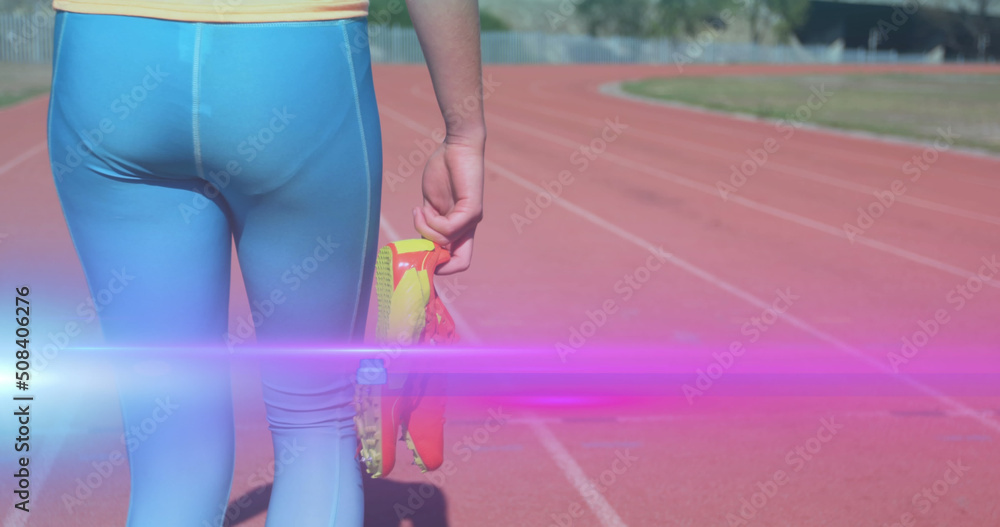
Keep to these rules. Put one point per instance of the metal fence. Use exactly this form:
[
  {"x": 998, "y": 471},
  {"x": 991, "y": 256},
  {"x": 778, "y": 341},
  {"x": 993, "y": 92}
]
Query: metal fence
[
  {"x": 27, "y": 38},
  {"x": 400, "y": 46}
]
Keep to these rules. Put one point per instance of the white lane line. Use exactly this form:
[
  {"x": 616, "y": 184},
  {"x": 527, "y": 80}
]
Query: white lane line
[
  {"x": 751, "y": 299},
  {"x": 571, "y": 469},
  {"x": 465, "y": 331},
  {"x": 389, "y": 231},
  {"x": 750, "y": 204},
  {"x": 22, "y": 158},
  {"x": 774, "y": 165},
  {"x": 958, "y": 407},
  {"x": 865, "y": 189},
  {"x": 782, "y": 214},
  {"x": 610, "y": 90},
  {"x": 614, "y": 90}
]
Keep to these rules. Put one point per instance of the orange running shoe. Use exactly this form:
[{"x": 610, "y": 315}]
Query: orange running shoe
[
  {"x": 423, "y": 420},
  {"x": 410, "y": 313}
]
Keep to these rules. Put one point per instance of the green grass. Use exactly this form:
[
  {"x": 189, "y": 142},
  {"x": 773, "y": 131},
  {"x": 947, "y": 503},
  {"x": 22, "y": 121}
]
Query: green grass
[
  {"x": 23, "y": 81},
  {"x": 904, "y": 105},
  {"x": 7, "y": 99}
]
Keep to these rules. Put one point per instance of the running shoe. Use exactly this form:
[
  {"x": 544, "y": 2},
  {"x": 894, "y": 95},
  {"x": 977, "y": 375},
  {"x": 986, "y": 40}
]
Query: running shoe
[
  {"x": 423, "y": 420},
  {"x": 378, "y": 418},
  {"x": 409, "y": 313}
]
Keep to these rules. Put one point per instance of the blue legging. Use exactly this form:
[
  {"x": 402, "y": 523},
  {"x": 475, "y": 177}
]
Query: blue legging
[{"x": 168, "y": 140}]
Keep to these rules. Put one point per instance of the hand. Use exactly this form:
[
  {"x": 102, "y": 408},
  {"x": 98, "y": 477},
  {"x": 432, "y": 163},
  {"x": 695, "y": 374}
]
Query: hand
[{"x": 453, "y": 200}]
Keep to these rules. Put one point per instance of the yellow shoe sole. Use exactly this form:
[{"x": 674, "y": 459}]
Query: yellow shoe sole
[{"x": 367, "y": 417}]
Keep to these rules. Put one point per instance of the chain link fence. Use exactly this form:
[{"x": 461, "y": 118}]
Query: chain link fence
[{"x": 27, "y": 38}]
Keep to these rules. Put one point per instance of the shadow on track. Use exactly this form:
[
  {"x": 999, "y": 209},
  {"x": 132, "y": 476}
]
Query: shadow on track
[{"x": 387, "y": 504}]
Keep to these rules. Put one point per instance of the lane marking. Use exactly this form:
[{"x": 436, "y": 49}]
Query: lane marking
[
  {"x": 780, "y": 213},
  {"x": 959, "y": 408},
  {"x": 390, "y": 232},
  {"x": 661, "y": 418},
  {"x": 574, "y": 474},
  {"x": 774, "y": 165},
  {"x": 612, "y": 444},
  {"x": 22, "y": 158},
  {"x": 614, "y": 90},
  {"x": 871, "y": 160},
  {"x": 754, "y": 205}
]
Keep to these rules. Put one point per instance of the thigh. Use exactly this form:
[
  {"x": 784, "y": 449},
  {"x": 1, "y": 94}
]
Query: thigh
[
  {"x": 159, "y": 282},
  {"x": 154, "y": 277},
  {"x": 290, "y": 133}
]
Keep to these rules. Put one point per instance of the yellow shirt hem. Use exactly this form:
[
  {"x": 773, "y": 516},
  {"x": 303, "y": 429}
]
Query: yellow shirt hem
[{"x": 220, "y": 11}]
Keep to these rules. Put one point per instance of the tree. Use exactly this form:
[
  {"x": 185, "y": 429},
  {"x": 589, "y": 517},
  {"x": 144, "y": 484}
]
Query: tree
[
  {"x": 781, "y": 16},
  {"x": 791, "y": 14},
  {"x": 976, "y": 18},
  {"x": 491, "y": 22},
  {"x": 648, "y": 18},
  {"x": 389, "y": 13},
  {"x": 394, "y": 13},
  {"x": 688, "y": 17},
  {"x": 630, "y": 18}
]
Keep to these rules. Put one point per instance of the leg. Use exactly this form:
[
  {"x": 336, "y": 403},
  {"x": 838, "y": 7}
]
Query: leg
[
  {"x": 169, "y": 272},
  {"x": 294, "y": 133},
  {"x": 174, "y": 291}
]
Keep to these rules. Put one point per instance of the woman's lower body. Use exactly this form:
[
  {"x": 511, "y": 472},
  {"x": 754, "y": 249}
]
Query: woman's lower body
[{"x": 167, "y": 141}]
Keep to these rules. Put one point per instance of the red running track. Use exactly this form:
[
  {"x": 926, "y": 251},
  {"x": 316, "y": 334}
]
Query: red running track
[{"x": 770, "y": 441}]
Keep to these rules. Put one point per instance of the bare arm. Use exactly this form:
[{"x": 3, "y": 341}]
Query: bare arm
[{"x": 453, "y": 178}]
